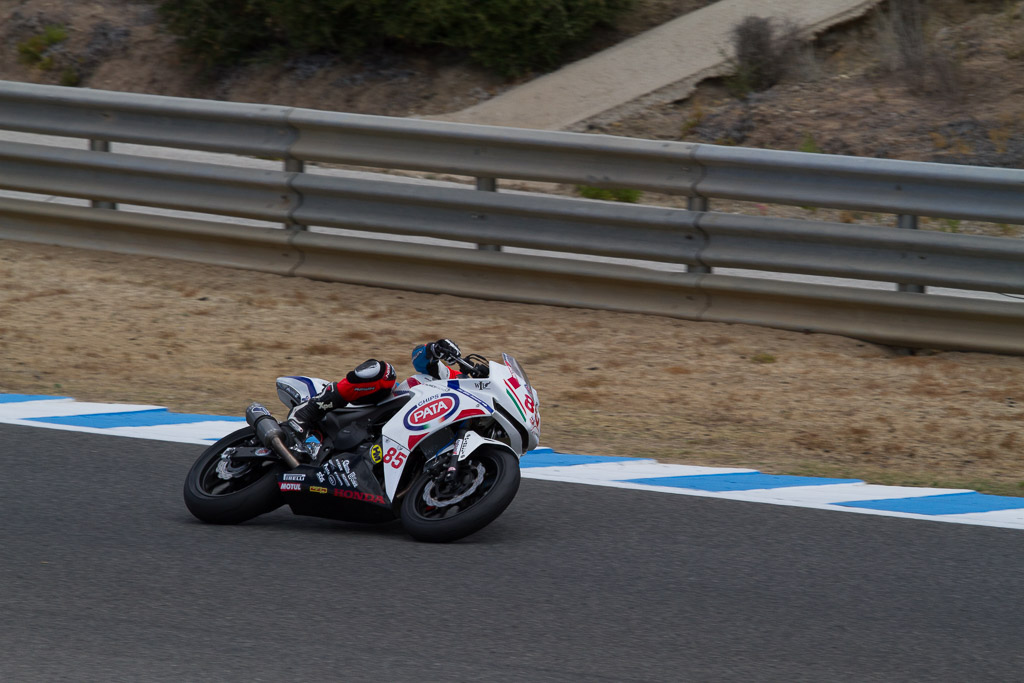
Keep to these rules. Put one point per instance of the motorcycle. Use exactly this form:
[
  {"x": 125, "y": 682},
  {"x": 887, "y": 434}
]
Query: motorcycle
[{"x": 440, "y": 455}]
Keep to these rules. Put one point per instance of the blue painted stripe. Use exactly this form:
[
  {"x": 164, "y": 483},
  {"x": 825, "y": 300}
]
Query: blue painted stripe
[
  {"x": 138, "y": 418},
  {"x": 741, "y": 481},
  {"x": 21, "y": 398},
  {"x": 942, "y": 504},
  {"x": 549, "y": 458},
  {"x": 307, "y": 381}
]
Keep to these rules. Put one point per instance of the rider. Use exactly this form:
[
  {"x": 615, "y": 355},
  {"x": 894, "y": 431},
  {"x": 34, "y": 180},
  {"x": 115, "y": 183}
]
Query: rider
[{"x": 371, "y": 382}]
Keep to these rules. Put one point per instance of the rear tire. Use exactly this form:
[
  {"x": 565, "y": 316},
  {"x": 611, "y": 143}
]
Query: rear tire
[
  {"x": 491, "y": 480},
  {"x": 218, "y": 501}
]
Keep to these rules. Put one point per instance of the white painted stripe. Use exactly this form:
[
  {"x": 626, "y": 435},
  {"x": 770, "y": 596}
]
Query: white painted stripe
[
  {"x": 1008, "y": 518},
  {"x": 203, "y": 433},
  {"x": 611, "y": 471},
  {"x": 10, "y": 412},
  {"x": 840, "y": 493},
  {"x": 193, "y": 432}
]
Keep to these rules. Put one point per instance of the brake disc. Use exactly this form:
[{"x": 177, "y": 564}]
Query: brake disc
[
  {"x": 429, "y": 499},
  {"x": 226, "y": 471}
]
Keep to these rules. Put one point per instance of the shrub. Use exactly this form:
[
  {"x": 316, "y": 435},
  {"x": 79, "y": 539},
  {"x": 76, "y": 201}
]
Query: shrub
[
  {"x": 337, "y": 26},
  {"x": 218, "y": 32},
  {"x": 507, "y": 36},
  {"x": 33, "y": 50},
  {"x": 70, "y": 78},
  {"x": 925, "y": 66},
  {"x": 907, "y": 19},
  {"x": 626, "y": 195},
  {"x": 809, "y": 145},
  {"x": 762, "y": 50}
]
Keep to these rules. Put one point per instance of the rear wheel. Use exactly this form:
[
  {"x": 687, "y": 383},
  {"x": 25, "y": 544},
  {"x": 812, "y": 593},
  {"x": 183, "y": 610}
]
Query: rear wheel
[
  {"x": 221, "y": 492},
  {"x": 439, "y": 512}
]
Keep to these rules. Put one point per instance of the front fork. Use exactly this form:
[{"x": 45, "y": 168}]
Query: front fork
[
  {"x": 452, "y": 472},
  {"x": 448, "y": 465}
]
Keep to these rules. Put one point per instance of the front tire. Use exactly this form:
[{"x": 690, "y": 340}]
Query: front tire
[
  {"x": 251, "y": 493},
  {"x": 489, "y": 481}
]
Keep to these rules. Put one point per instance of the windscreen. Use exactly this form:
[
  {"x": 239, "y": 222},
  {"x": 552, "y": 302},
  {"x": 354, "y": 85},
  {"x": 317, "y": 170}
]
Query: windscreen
[{"x": 516, "y": 368}]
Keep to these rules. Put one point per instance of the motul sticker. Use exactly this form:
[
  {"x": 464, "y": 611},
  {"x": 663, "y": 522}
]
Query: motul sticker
[
  {"x": 437, "y": 409},
  {"x": 290, "y": 487}
]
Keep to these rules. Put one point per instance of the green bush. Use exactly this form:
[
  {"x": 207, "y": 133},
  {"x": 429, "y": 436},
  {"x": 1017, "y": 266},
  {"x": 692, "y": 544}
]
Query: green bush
[
  {"x": 33, "y": 51},
  {"x": 508, "y": 36},
  {"x": 335, "y": 26},
  {"x": 618, "y": 194},
  {"x": 218, "y": 32}
]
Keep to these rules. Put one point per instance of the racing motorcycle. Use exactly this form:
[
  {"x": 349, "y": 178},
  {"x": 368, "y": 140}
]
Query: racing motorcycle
[{"x": 441, "y": 455}]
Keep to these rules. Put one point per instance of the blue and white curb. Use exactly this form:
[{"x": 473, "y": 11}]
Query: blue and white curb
[
  {"x": 142, "y": 421},
  {"x": 960, "y": 506}
]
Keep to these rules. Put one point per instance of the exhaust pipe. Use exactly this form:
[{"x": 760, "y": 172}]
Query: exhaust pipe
[{"x": 269, "y": 432}]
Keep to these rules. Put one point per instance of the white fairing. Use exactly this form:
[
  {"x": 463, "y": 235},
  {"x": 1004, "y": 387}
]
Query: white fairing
[
  {"x": 470, "y": 442},
  {"x": 297, "y": 389},
  {"x": 506, "y": 396}
]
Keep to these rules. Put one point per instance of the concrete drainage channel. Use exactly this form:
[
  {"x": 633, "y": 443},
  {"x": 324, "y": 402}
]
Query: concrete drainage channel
[{"x": 959, "y": 506}]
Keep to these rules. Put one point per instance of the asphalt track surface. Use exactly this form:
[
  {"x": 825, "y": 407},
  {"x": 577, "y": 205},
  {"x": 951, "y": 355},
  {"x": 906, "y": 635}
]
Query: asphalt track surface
[{"x": 104, "y": 575}]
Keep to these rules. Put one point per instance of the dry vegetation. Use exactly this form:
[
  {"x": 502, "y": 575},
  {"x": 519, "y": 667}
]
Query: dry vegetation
[{"x": 944, "y": 84}]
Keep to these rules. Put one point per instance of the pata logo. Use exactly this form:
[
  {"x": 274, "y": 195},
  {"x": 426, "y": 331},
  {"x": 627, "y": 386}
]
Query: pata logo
[
  {"x": 431, "y": 410},
  {"x": 440, "y": 407}
]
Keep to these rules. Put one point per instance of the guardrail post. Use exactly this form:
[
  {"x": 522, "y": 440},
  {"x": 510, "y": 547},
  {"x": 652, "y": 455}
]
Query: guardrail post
[
  {"x": 695, "y": 203},
  {"x": 908, "y": 222},
  {"x": 485, "y": 184},
  {"x": 100, "y": 146},
  {"x": 294, "y": 166}
]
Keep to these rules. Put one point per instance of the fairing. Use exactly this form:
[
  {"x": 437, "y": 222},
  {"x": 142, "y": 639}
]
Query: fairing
[
  {"x": 341, "y": 488},
  {"x": 437, "y": 404},
  {"x": 296, "y": 389}
]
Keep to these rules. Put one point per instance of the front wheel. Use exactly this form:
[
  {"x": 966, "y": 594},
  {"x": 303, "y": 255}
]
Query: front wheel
[
  {"x": 440, "y": 512},
  {"x": 249, "y": 489}
]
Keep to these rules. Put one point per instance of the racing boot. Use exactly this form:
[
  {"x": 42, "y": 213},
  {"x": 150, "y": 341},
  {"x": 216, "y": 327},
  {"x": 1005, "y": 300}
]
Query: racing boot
[{"x": 304, "y": 416}]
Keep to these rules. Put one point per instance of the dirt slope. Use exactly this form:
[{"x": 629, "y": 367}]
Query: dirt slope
[{"x": 844, "y": 96}]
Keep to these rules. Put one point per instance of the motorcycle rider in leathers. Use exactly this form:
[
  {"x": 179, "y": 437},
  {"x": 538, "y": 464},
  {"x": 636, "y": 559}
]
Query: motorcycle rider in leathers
[{"x": 371, "y": 382}]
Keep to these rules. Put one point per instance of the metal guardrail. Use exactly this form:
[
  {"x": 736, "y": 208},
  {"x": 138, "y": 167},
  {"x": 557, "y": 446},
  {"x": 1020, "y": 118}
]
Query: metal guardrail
[
  {"x": 530, "y": 221},
  {"x": 700, "y": 239},
  {"x": 793, "y": 178}
]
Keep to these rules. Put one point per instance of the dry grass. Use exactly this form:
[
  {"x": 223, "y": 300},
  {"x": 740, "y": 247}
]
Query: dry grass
[
  {"x": 42, "y": 294},
  {"x": 323, "y": 349},
  {"x": 691, "y": 392}
]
